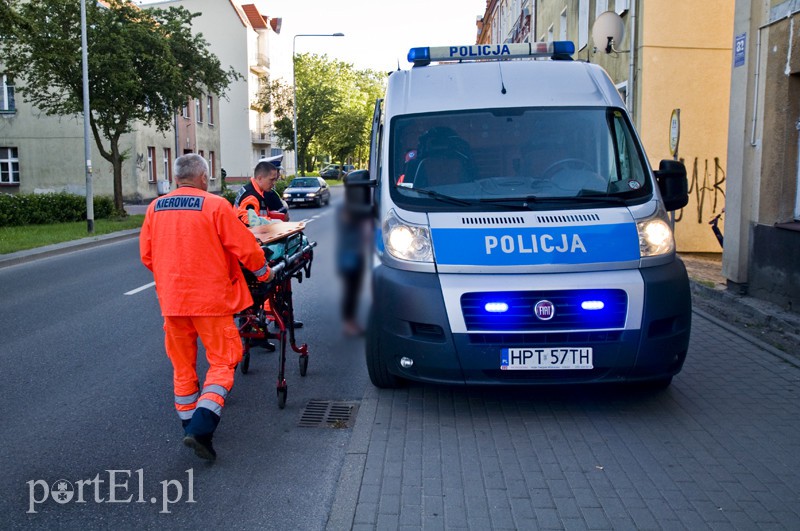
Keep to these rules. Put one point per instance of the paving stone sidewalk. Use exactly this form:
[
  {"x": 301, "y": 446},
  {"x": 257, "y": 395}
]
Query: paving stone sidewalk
[{"x": 719, "y": 449}]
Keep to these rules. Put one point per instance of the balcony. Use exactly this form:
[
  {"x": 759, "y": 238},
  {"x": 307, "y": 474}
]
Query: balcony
[
  {"x": 260, "y": 137},
  {"x": 259, "y": 64}
]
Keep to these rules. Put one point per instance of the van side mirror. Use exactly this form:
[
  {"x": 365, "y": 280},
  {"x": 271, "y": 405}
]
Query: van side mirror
[
  {"x": 358, "y": 191},
  {"x": 672, "y": 182}
]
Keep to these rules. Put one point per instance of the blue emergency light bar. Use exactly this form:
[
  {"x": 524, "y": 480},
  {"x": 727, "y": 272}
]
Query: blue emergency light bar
[{"x": 556, "y": 49}]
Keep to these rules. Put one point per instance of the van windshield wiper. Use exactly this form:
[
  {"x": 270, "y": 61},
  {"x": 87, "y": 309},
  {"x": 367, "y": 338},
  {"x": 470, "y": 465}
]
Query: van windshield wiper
[
  {"x": 547, "y": 199},
  {"x": 442, "y": 197}
]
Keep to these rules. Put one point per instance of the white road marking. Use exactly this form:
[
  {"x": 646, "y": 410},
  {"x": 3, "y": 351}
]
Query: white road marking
[{"x": 140, "y": 288}]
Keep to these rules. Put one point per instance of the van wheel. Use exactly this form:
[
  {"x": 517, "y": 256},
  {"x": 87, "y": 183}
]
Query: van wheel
[{"x": 379, "y": 375}]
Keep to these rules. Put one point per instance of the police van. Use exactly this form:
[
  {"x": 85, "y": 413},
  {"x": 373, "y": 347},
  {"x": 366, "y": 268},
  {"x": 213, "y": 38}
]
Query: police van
[{"x": 521, "y": 234}]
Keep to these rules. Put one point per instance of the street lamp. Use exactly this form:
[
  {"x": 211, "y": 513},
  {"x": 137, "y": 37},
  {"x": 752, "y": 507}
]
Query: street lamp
[
  {"x": 294, "y": 85},
  {"x": 87, "y": 116}
]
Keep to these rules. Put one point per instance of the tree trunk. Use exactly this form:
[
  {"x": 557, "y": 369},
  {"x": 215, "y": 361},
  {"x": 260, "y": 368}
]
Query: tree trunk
[
  {"x": 116, "y": 163},
  {"x": 115, "y": 158}
]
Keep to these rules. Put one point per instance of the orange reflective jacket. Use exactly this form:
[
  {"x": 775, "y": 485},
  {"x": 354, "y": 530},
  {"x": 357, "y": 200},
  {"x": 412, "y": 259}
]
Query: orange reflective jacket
[
  {"x": 193, "y": 242},
  {"x": 266, "y": 204}
]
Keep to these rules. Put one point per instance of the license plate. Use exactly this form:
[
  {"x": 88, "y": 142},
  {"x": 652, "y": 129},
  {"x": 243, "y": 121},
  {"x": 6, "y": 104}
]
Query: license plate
[
  {"x": 298, "y": 199},
  {"x": 550, "y": 358}
]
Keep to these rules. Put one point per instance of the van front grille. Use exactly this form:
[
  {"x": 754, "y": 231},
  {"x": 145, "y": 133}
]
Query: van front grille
[{"x": 568, "y": 308}]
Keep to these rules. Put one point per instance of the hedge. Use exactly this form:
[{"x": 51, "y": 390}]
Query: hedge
[{"x": 39, "y": 209}]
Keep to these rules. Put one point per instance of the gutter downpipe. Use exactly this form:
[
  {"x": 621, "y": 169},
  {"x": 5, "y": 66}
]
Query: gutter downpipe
[{"x": 632, "y": 63}]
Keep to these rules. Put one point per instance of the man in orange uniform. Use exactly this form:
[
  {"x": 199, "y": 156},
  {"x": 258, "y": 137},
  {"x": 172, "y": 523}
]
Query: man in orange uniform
[
  {"x": 260, "y": 195},
  {"x": 192, "y": 242}
]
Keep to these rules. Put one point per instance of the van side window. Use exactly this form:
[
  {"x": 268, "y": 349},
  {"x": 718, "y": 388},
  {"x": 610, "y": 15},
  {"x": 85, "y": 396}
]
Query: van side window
[{"x": 629, "y": 165}]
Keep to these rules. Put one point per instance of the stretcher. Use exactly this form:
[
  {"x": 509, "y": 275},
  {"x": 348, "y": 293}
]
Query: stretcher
[{"x": 290, "y": 255}]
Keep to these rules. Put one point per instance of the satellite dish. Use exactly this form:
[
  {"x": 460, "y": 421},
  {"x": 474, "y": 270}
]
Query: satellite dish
[
  {"x": 608, "y": 31},
  {"x": 276, "y": 24}
]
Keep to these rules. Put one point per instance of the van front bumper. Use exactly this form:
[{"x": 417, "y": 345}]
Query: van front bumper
[{"x": 409, "y": 320}]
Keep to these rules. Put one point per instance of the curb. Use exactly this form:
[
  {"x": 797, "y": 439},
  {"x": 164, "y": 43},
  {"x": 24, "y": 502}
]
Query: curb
[
  {"x": 747, "y": 337},
  {"x": 20, "y": 257}
]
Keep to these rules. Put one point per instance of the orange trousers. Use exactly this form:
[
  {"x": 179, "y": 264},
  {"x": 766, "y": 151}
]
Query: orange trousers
[{"x": 220, "y": 336}]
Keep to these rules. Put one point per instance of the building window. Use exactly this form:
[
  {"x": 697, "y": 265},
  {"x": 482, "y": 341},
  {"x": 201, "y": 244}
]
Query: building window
[
  {"x": 211, "y": 162},
  {"x": 185, "y": 110},
  {"x": 600, "y": 7},
  {"x": 550, "y": 34},
  {"x": 151, "y": 164},
  {"x": 9, "y": 165},
  {"x": 198, "y": 110},
  {"x": 7, "y": 95},
  {"x": 562, "y": 31},
  {"x": 583, "y": 23},
  {"x": 210, "y": 110},
  {"x": 168, "y": 164}
]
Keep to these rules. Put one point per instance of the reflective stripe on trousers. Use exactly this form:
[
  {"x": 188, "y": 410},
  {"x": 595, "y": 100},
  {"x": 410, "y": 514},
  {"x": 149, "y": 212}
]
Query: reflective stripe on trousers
[{"x": 220, "y": 336}]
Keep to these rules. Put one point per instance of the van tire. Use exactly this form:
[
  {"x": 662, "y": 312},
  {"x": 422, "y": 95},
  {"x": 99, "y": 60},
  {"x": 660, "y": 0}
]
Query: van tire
[{"x": 379, "y": 374}]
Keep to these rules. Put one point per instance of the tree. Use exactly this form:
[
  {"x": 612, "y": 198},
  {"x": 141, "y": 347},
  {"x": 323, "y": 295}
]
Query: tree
[
  {"x": 334, "y": 108},
  {"x": 348, "y": 131},
  {"x": 144, "y": 65},
  {"x": 275, "y": 96}
]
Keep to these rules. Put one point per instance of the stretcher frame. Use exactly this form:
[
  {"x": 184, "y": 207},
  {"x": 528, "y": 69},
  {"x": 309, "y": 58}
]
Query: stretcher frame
[{"x": 254, "y": 322}]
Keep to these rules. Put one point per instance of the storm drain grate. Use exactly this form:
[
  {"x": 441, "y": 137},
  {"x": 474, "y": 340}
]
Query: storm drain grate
[{"x": 328, "y": 414}]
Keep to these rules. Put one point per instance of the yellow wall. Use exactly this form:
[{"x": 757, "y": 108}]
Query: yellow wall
[{"x": 684, "y": 61}]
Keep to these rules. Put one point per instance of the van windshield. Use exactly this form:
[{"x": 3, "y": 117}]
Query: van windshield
[{"x": 504, "y": 156}]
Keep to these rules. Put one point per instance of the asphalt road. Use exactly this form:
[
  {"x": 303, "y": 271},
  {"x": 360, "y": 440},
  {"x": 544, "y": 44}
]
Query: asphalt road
[{"x": 86, "y": 390}]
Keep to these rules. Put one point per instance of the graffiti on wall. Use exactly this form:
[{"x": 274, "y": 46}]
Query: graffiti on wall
[{"x": 706, "y": 189}]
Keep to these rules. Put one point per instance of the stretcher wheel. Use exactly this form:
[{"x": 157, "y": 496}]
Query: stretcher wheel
[
  {"x": 303, "y": 365},
  {"x": 282, "y": 397},
  {"x": 245, "y": 366}
]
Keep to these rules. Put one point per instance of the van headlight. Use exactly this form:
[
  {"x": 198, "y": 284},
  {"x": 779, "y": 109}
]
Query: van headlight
[
  {"x": 406, "y": 241},
  {"x": 655, "y": 235}
]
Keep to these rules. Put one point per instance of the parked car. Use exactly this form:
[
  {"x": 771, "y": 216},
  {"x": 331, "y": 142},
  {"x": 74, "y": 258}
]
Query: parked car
[
  {"x": 334, "y": 171},
  {"x": 307, "y": 191}
]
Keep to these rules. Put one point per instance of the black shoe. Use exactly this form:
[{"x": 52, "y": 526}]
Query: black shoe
[{"x": 201, "y": 445}]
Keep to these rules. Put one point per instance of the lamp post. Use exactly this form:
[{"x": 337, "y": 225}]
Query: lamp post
[
  {"x": 294, "y": 85},
  {"x": 86, "y": 117}
]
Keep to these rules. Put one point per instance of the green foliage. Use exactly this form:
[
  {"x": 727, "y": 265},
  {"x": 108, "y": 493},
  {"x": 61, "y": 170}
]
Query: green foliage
[
  {"x": 230, "y": 195},
  {"x": 39, "y": 209},
  {"x": 13, "y": 239},
  {"x": 144, "y": 65},
  {"x": 334, "y": 109}
]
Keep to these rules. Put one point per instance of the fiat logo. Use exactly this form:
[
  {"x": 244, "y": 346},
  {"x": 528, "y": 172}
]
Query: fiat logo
[{"x": 544, "y": 310}]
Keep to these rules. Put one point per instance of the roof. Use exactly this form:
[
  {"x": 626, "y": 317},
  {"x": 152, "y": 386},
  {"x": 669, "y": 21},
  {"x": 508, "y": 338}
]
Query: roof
[
  {"x": 256, "y": 19},
  {"x": 498, "y": 84}
]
